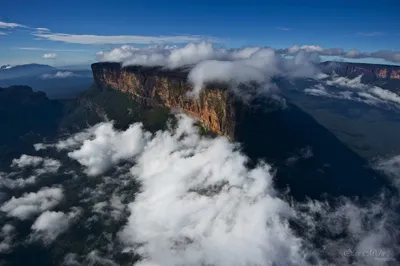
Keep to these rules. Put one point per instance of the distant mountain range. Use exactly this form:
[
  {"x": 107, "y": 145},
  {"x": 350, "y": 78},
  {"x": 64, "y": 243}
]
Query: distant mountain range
[
  {"x": 387, "y": 76},
  {"x": 6, "y": 67},
  {"x": 55, "y": 82},
  {"x": 370, "y": 72},
  {"x": 8, "y": 71}
]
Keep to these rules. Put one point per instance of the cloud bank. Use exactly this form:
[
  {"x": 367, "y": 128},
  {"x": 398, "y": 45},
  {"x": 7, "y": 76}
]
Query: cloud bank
[
  {"x": 211, "y": 64},
  {"x": 199, "y": 203},
  {"x": 177, "y": 198},
  {"x": 208, "y": 63},
  {"x": 209, "y": 194}
]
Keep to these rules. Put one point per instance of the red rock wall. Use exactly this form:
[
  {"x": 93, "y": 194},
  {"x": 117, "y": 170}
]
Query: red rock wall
[{"x": 214, "y": 108}]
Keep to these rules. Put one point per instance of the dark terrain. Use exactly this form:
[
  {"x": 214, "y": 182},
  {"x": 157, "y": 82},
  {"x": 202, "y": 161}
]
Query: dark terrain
[{"x": 319, "y": 148}]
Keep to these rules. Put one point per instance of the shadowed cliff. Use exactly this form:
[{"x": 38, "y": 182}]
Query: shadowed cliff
[{"x": 25, "y": 116}]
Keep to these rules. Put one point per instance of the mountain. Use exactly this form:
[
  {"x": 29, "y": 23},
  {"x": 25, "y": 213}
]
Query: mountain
[
  {"x": 5, "y": 67},
  {"x": 25, "y": 116},
  {"x": 266, "y": 129},
  {"x": 56, "y": 83},
  {"x": 387, "y": 76},
  {"x": 370, "y": 71},
  {"x": 288, "y": 137},
  {"x": 157, "y": 87},
  {"x": 363, "y": 113},
  {"x": 24, "y": 70}
]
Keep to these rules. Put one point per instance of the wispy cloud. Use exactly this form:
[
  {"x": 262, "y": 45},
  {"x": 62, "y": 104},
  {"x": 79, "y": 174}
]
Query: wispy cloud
[
  {"x": 50, "y": 56},
  {"x": 371, "y": 34},
  {"x": 8, "y": 25},
  {"x": 59, "y": 75},
  {"x": 392, "y": 56},
  {"x": 3, "y": 33},
  {"x": 42, "y": 29},
  {"x": 283, "y": 28},
  {"x": 121, "y": 39},
  {"x": 49, "y": 49}
]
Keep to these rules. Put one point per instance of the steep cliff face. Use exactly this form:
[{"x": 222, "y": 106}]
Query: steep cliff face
[
  {"x": 369, "y": 71},
  {"x": 215, "y": 107}
]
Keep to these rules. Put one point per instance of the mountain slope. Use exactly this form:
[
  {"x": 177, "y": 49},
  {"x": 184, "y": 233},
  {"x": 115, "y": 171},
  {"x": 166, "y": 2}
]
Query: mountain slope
[{"x": 25, "y": 116}]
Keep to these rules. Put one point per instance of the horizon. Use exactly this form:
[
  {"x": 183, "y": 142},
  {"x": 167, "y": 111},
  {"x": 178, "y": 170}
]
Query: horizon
[
  {"x": 84, "y": 66},
  {"x": 350, "y": 32}
]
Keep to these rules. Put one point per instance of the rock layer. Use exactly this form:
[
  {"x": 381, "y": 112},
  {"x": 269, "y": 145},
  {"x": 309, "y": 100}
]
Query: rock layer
[
  {"x": 215, "y": 107},
  {"x": 369, "y": 71}
]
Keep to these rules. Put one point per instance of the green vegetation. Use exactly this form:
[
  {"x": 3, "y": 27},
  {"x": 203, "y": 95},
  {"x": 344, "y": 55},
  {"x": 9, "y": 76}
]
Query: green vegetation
[
  {"x": 95, "y": 105},
  {"x": 204, "y": 131}
]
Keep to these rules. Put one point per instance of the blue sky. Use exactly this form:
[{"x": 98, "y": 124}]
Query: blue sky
[{"x": 367, "y": 26}]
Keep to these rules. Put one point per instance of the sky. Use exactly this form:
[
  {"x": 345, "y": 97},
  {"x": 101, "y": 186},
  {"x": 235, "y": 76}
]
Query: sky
[{"x": 72, "y": 32}]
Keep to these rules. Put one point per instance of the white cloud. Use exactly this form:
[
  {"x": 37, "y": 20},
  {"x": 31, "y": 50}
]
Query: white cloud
[
  {"x": 47, "y": 165},
  {"x": 371, "y": 34},
  {"x": 49, "y": 49},
  {"x": 353, "y": 53},
  {"x": 121, "y": 39},
  {"x": 6, "y": 236},
  {"x": 354, "y": 83},
  {"x": 50, "y": 56},
  {"x": 385, "y": 95},
  {"x": 9, "y": 25},
  {"x": 210, "y": 64},
  {"x": 59, "y": 75},
  {"x": 368, "y": 227},
  {"x": 71, "y": 142},
  {"x": 312, "y": 48},
  {"x": 112, "y": 208},
  {"x": 13, "y": 182},
  {"x": 71, "y": 259},
  {"x": 32, "y": 203},
  {"x": 26, "y": 161},
  {"x": 391, "y": 167},
  {"x": 387, "y": 55},
  {"x": 42, "y": 29},
  {"x": 306, "y": 48},
  {"x": 199, "y": 204},
  {"x": 260, "y": 67},
  {"x": 108, "y": 147},
  {"x": 169, "y": 56},
  {"x": 50, "y": 224},
  {"x": 17, "y": 178},
  {"x": 94, "y": 258},
  {"x": 3, "y": 33},
  {"x": 294, "y": 49},
  {"x": 355, "y": 90}
]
